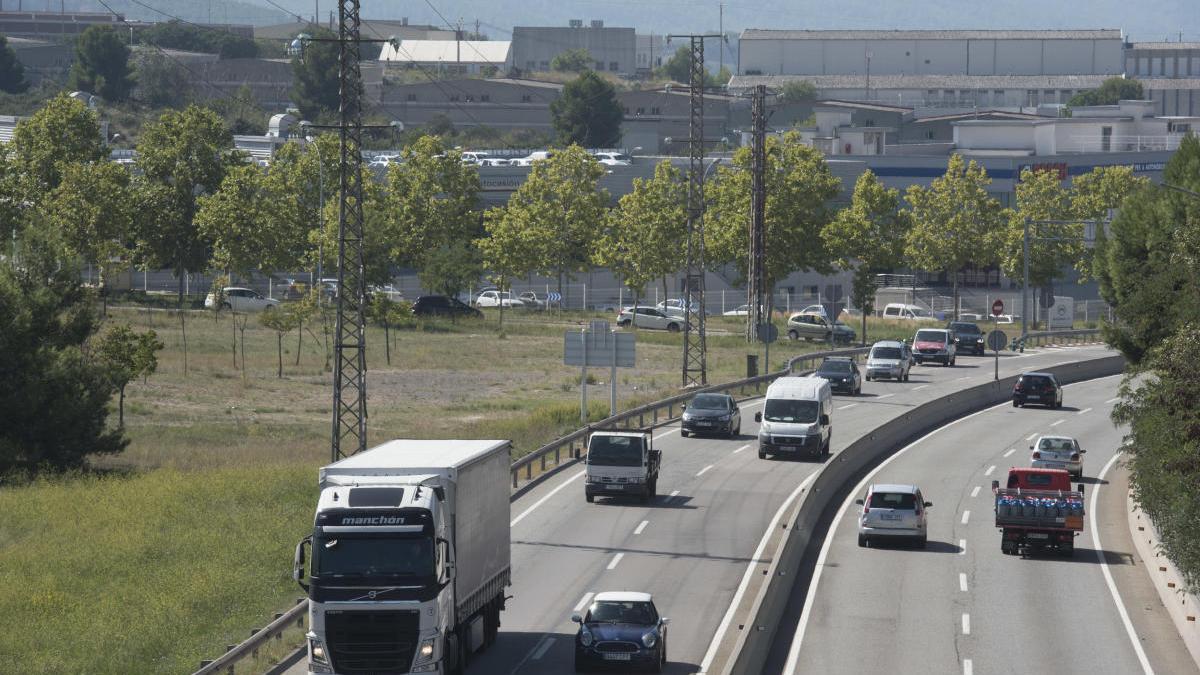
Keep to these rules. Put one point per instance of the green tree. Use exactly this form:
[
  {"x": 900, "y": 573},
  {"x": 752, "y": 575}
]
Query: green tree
[
  {"x": 430, "y": 203},
  {"x": 127, "y": 355},
  {"x": 572, "y": 61},
  {"x": 102, "y": 64},
  {"x": 799, "y": 187},
  {"x": 377, "y": 259},
  {"x": 451, "y": 267},
  {"x": 12, "y": 72},
  {"x": 162, "y": 83},
  {"x": 955, "y": 222},
  {"x": 1093, "y": 196},
  {"x": 798, "y": 91},
  {"x": 1041, "y": 196},
  {"x": 678, "y": 67},
  {"x": 175, "y": 34},
  {"x": 238, "y": 220},
  {"x": 63, "y": 131},
  {"x": 93, "y": 211},
  {"x": 645, "y": 237},
  {"x": 183, "y": 154},
  {"x": 587, "y": 113},
  {"x": 300, "y": 179},
  {"x": 55, "y": 399},
  {"x": 1111, "y": 91},
  {"x": 551, "y": 221},
  {"x": 869, "y": 237},
  {"x": 315, "y": 75}
]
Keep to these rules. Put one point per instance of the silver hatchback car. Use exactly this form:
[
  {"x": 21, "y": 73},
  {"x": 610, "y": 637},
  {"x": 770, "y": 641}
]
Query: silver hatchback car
[
  {"x": 892, "y": 512},
  {"x": 889, "y": 360},
  {"x": 1057, "y": 452}
]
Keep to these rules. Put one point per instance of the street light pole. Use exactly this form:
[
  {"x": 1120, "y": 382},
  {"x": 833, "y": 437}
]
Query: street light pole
[
  {"x": 1025, "y": 284},
  {"x": 320, "y": 211}
]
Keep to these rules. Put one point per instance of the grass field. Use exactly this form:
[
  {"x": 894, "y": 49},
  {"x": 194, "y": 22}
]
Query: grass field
[{"x": 182, "y": 544}]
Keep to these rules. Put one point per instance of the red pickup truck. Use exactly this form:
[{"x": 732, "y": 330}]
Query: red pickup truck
[{"x": 1037, "y": 511}]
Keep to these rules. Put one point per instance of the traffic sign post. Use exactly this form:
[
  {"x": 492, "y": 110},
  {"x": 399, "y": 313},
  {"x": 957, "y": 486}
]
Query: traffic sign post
[
  {"x": 996, "y": 340},
  {"x": 598, "y": 346}
]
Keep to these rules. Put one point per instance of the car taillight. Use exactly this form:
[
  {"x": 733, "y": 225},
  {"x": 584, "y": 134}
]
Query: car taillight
[{"x": 1037, "y": 455}]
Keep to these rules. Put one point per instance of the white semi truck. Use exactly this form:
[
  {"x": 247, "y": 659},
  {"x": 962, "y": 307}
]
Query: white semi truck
[{"x": 409, "y": 557}]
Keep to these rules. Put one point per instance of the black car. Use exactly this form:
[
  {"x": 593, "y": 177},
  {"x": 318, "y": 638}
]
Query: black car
[
  {"x": 711, "y": 414},
  {"x": 968, "y": 337},
  {"x": 1040, "y": 388},
  {"x": 622, "y": 631},
  {"x": 842, "y": 373},
  {"x": 441, "y": 305}
]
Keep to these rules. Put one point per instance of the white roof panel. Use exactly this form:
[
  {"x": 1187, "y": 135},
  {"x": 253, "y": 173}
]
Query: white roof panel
[
  {"x": 494, "y": 52},
  {"x": 407, "y": 454}
]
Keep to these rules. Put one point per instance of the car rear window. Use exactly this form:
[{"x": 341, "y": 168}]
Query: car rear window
[
  {"x": 893, "y": 500},
  {"x": 1035, "y": 380},
  {"x": 886, "y": 353}
]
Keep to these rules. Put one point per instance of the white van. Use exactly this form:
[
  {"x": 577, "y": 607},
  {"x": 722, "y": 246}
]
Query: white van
[
  {"x": 898, "y": 310},
  {"x": 795, "y": 417}
]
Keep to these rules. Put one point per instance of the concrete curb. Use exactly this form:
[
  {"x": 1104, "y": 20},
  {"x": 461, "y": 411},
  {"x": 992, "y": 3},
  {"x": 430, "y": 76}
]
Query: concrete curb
[{"x": 1183, "y": 607}]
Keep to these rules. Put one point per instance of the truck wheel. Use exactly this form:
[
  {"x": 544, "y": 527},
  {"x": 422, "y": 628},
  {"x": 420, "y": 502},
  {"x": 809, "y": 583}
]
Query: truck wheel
[
  {"x": 589, "y": 498},
  {"x": 654, "y": 488},
  {"x": 1016, "y": 404},
  {"x": 491, "y": 624},
  {"x": 862, "y": 541},
  {"x": 923, "y": 542},
  {"x": 762, "y": 454},
  {"x": 1067, "y": 550},
  {"x": 454, "y": 655},
  {"x": 645, "y": 498}
]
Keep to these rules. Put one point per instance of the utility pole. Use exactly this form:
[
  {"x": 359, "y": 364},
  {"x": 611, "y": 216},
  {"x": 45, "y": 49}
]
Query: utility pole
[
  {"x": 758, "y": 200},
  {"x": 695, "y": 363},
  {"x": 721, "y": 30}
]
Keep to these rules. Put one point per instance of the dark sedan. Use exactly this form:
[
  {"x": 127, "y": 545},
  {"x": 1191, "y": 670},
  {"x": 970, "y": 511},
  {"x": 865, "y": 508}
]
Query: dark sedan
[
  {"x": 1040, "y": 388},
  {"x": 621, "y": 631},
  {"x": 968, "y": 337},
  {"x": 441, "y": 305},
  {"x": 711, "y": 414},
  {"x": 842, "y": 373}
]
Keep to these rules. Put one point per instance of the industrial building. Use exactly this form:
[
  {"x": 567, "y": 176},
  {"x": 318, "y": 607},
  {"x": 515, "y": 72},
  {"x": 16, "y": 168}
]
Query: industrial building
[
  {"x": 452, "y": 57},
  {"x": 613, "y": 49}
]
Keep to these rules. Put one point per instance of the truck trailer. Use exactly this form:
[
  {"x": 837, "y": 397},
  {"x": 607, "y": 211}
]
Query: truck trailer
[
  {"x": 409, "y": 557},
  {"x": 1037, "y": 512}
]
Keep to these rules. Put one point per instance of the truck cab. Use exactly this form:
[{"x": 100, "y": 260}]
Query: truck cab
[{"x": 622, "y": 463}]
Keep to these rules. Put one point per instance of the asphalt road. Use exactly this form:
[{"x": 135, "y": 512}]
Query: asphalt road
[
  {"x": 961, "y": 606},
  {"x": 691, "y": 547}
]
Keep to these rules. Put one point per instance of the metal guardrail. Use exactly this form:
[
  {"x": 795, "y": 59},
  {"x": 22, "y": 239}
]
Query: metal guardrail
[
  {"x": 1081, "y": 336},
  {"x": 259, "y": 637}
]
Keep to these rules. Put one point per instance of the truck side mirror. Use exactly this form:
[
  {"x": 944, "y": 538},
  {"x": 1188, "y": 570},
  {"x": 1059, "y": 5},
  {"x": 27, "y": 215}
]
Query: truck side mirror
[
  {"x": 576, "y": 618},
  {"x": 298, "y": 562},
  {"x": 858, "y": 501},
  {"x": 995, "y": 485},
  {"x": 664, "y": 621},
  {"x": 928, "y": 504},
  {"x": 825, "y": 420},
  {"x": 1031, "y": 447},
  {"x": 758, "y": 417},
  {"x": 1080, "y": 488}
]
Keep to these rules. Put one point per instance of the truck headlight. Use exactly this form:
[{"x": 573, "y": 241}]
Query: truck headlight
[
  {"x": 426, "y": 650},
  {"x": 649, "y": 639},
  {"x": 316, "y": 649}
]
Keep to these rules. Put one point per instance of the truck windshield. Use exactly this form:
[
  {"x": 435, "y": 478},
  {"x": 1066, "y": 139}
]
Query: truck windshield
[
  {"x": 790, "y": 410},
  {"x": 615, "y": 451},
  {"x": 371, "y": 555}
]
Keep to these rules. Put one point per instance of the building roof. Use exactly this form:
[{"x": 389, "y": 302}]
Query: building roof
[
  {"x": 1166, "y": 46},
  {"x": 492, "y": 52},
  {"x": 862, "y": 105},
  {"x": 982, "y": 114},
  {"x": 927, "y": 81},
  {"x": 771, "y": 34}
]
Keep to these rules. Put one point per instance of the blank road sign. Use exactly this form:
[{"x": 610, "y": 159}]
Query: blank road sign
[{"x": 602, "y": 346}]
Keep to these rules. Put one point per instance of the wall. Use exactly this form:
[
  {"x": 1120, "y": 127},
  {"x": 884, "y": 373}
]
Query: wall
[{"x": 534, "y": 48}]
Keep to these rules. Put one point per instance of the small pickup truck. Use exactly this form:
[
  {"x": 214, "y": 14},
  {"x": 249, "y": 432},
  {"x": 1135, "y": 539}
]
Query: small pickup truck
[
  {"x": 622, "y": 463},
  {"x": 1037, "y": 512}
]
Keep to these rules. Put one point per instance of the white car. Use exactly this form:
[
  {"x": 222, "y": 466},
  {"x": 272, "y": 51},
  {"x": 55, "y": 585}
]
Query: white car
[
  {"x": 893, "y": 512},
  {"x": 497, "y": 299},
  {"x": 1057, "y": 452},
  {"x": 742, "y": 310},
  {"x": 613, "y": 159},
  {"x": 532, "y": 157},
  {"x": 388, "y": 291},
  {"x": 482, "y": 159},
  {"x": 649, "y": 317},
  {"x": 241, "y": 300}
]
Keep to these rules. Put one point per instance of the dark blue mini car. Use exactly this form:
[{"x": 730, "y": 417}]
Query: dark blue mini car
[{"x": 621, "y": 631}]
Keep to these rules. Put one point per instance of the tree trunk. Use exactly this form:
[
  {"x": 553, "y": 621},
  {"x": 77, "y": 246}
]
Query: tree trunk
[
  {"x": 179, "y": 272},
  {"x": 299, "y": 340},
  {"x": 279, "y": 351},
  {"x": 183, "y": 331},
  {"x": 387, "y": 342},
  {"x": 103, "y": 293},
  {"x": 633, "y": 317},
  {"x": 500, "y": 302},
  {"x": 233, "y": 322},
  {"x": 666, "y": 291},
  {"x": 242, "y": 331},
  {"x": 954, "y": 285},
  {"x": 121, "y": 409}
]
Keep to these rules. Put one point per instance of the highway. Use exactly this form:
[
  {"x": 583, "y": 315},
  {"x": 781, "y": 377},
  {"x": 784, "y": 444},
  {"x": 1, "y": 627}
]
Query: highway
[
  {"x": 693, "y": 547},
  {"x": 961, "y": 606}
]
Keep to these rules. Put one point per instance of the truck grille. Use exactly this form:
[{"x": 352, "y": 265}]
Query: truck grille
[
  {"x": 789, "y": 440},
  {"x": 628, "y": 647},
  {"x": 372, "y": 641}
]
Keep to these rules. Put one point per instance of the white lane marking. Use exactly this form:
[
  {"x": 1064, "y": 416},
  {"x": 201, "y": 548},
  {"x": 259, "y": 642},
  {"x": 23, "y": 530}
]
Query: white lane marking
[
  {"x": 847, "y": 406},
  {"x": 1057, "y": 422},
  {"x": 1084, "y": 411},
  {"x": 641, "y": 527},
  {"x": 966, "y": 517},
  {"x": 583, "y": 602},
  {"x": 543, "y": 500},
  {"x": 920, "y": 387},
  {"x": 962, "y": 546},
  {"x": 989, "y": 472},
  {"x": 674, "y": 494},
  {"x": 744, "y": 447},
  {"x": 1010, "y": 451},
  {"x": 887, "y": 396},
  {"x": 1112, "y": 587},
  {"x": 1113, "y": 400},
  {"x": 541, "y": 651},
  {"x": 701, "y": 471},
  {"x": 1030, "y": 437},
  {"x": 968, "y": 667},
  {"x": 665, "y": 434},
  {"x": 962, "y": 582},
  {"x": 966, "y": 621},
  {"x": 964, "y": 377},
  {"x": 741, "y": 590},
  {"x": 975, "y": 492},
  {"x": 615, "y": 561}
]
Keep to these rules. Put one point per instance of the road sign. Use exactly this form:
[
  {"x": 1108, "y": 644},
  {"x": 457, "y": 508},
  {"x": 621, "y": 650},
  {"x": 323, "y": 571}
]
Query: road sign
[
  {"x": 997, "y": 307},
  {"x": 997, "y": 340},
  {"x": 602, "y": 346},
  {"x": 553, "y": 298},
  {"x": 767, "y": 332}
]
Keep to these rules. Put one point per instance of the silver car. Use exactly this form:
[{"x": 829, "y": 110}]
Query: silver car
[
  {"x": 893, "y": 512},
  {"x": 649, "y": 317},
  {"x": 1057, "y": 452},
  {"x": 888, "y": 360}
]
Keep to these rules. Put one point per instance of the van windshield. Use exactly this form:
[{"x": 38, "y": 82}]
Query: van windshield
[
  {"x": 930, "y": 336},
  {"x": 790, "y": 410},
  {"x": 615, "y": 451},
  {"x": 886, "y": 353}
]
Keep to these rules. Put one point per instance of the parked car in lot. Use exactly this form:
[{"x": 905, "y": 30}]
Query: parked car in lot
[
  {"x": 535, "y": 300},
  {"x": 1040, "y": 388},
  {"x": 441, "y": 305},
  {"x": 497, "y": 299},
  {"x": 241, "y": 300},
  {"x": 1057, "y": 452},
  {"x": 649, "y": 317},
  {"x": 967, "y": 337},
  {"x": 711, "y": 414},
  {"x": 740, "y": 310},
  {"x": 387, "y": 291},
  {"x": 531, "y": 158},
  {"x": 328, "y": 287},
  {"x": 482, "y": 159},
  {"x": 674, "y": 307},
  {"x": 898, "y": 310},
  {"x": 622, "y": 630},
  {"x": 613, "y": 158},
  {"x": 934, "y": 344},
  {"x": 842, "y": 374},
  {"x": 817, "y": 327},
  {"x": 893, "y": 512},
  {"x": 889, "y": 360}
]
